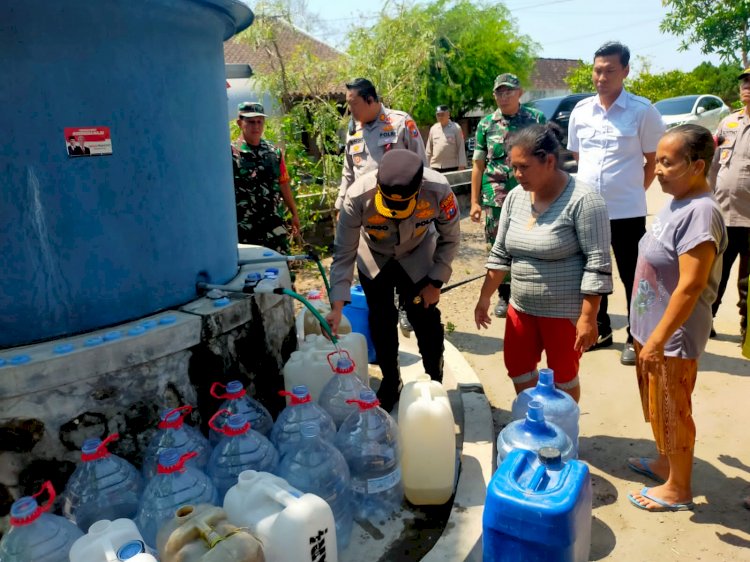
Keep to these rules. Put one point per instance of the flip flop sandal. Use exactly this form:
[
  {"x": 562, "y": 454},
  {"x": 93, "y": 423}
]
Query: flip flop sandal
[
  {"x": 664, "y": 506},
  {"x": 644, "y": 470}
]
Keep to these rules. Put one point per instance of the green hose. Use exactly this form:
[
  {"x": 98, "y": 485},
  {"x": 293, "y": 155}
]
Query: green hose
[
  {"x": 325, "y": 278},
  {"x": 323, "y": 324}
]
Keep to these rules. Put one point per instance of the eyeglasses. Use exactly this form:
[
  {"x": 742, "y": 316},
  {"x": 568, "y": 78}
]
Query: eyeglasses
[{"x": 505, "y": 93}]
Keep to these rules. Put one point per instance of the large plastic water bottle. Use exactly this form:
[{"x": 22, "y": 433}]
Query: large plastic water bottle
[
  {"x": 286, "y": 434},
  {"x": 358, "y": 314},
  {"x": 174, "y": 433},
  {"x": 103, "y": 486},
  {"x": 36, "y": 535},
  {"x": 241, "y": 448},
  {"x": 317, "y": 467},
  {"x": 368, "y": 439},
  {"x": 532, "y": 434},
  {"x": 175, "y": 485},
  {"x": 293, "y": 527},
  {"x": 343, "y": 386},
  {"x": 109, "y": 541},
  {"x": 559, "y": 406},
  {"x": 238, "y": 402}
]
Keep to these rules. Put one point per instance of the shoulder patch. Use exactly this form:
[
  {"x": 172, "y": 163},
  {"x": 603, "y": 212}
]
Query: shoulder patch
[
  {"x": 412, "y": 126},
  {"x": 448, "y": 206}
]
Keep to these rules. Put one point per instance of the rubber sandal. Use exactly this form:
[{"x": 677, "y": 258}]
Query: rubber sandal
[{"x": 664, "y": 506}]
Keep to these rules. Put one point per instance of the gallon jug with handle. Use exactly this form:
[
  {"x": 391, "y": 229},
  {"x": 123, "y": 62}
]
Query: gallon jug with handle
[
  {"x": 306, "y": 322},
  {"x": 202, "y": 533},
  {"x": 37, "y": 535},
  {"x": 111, "y": 541},
  {"x": 343, "y": 386},
  {"x": 174, "y": 486},
  {"x": 286, "y": 433},
  {"x": 103, "y": 486},
  {"x": 237, "y": 401},
  {"x": 537, "y": 509},
  {"x": 532, "y": 434},
  {"x": 428, "y": 442},
  {"x": 241, "y": 448},
  {"x": 174, "y": 433},
  {"x": 358, "y": 314},
  {"x": 559, "y": 406},
  {"x": 293, "y": 526},
  {"x": 354, "y": 344}
]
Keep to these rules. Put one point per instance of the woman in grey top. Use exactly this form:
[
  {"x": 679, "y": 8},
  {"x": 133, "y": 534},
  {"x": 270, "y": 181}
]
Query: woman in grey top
[{"x": 554, "y": 237}]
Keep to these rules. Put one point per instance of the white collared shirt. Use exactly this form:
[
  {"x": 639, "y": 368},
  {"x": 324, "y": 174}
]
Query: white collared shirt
[{"x": 611, "y": 144}]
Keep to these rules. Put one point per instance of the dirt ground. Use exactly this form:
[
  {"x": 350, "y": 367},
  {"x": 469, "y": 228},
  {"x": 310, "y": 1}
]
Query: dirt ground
[{"x": 612, "y": 426}]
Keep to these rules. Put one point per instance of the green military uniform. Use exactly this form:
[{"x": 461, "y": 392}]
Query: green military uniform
[
  {"x": 257, "y": 178},
  {"x": 498, "y": 178}
]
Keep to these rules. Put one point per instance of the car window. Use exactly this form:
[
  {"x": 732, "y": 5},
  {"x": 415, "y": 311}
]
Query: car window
[
  {"x": 569, "y": 103},
  {"x": 710, "y": 103},
  {"x": 548, "y": 106},
  {"x": 676, "y": 106}
]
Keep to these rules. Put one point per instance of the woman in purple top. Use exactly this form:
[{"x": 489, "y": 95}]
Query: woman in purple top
[{"x": 678, "y": 272}]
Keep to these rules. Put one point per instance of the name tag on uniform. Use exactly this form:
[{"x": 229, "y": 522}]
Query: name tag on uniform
[
  {"x": 387, "y": 138},
  {"x": 357, "y": 148}
]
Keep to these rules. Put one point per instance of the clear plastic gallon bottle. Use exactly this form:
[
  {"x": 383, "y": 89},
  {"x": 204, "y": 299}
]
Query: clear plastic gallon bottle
[
  {"x": 241, "y": 448},
  {"x": 343, "y": 386},
  {"x": 237, "y": 401},
  {"x": 293, "y": 527},
  {"x": 559, "y": 406},
  {"x": 317, "y": 467},
  {"x": 36, "y": 535},
  {"x": 368, "y": 439},
  {"x": 532, "y": 434},
  {"x": 103, "y": 486},
  {"x": 174, "y": 433},
  {"x": 286, "y": 434},
  {"x": 175, "y": 485}
]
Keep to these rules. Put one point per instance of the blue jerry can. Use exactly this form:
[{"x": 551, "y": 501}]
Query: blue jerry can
[{"x": 538, "y": 509}]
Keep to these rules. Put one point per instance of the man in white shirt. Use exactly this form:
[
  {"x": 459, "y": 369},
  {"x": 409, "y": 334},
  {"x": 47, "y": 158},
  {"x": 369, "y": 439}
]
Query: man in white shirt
[{"x": 613, "y": 135}]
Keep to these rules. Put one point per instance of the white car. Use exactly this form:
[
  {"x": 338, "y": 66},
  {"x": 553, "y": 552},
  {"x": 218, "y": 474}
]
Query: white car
[{"x": 703, "y": 110}]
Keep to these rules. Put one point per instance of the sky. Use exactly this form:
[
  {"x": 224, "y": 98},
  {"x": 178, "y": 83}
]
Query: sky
[{"x": 571, "y": 29}]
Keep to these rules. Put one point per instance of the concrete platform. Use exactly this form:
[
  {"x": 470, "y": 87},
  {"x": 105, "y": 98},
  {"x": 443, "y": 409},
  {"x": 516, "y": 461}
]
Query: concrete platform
[{"x": 439, "y": 533}]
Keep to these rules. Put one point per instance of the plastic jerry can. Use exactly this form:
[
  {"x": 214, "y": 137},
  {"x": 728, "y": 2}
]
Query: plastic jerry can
[
  {"x": 306, "y": 323},
  {"x": 202, "y": 533},
  {"x": 354, "y": 344},
  {"x": 174, "y": 433},
  {"x": 293, "y": 526},
  {"x": 428, "y": 443},
  {"x": 533, "y": 433},
  {"x": 111, "y": 541},
  {"x": 36, "y": 535},
  {"x": 538, "y": 509},
  {"x": 359, "y": 317},
  {"x": 559, "y": 406}
]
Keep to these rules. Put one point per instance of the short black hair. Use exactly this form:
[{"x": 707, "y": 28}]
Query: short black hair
[
  {"x": 614, "y": 48},
  {"x": 540, "y": 140},
  {"x": 364, "y": 88},
  {"x": 697, "y": 142}
]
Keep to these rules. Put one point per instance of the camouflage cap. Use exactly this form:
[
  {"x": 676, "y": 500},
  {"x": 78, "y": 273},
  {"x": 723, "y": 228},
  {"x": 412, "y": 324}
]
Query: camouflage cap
[
  {"x": 507, "y": 79},
  {"x": 251, "y": 109}
]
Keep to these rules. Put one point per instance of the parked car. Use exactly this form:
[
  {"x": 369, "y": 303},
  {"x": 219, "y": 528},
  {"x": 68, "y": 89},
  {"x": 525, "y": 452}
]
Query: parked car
[
  {"x": 706, "y": 110},
  {"x": 557, "y": 109}
]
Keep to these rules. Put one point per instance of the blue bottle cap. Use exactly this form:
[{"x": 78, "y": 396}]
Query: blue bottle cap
[
  {"x": 268, "y": 253},
  {"x": 20, "y": 359},
  {"x": 367, "y": 396},
  {"x": 234, "y": 387},
  {"x": 148, "y": 324},
  {"x": 130, "y": 549},
  {"x": 271, "y": 275},
  {"x": 96, "y": 340},
  {"x": 136, "y": 331},
  {"x": 223, "y": 301},
  {"x": 63, "y": 348},
  {"x": 274, "y": 270},
  {"x": 236, "y": 421},
  {"x": 254, "y": 276},
  {"x": 169, "y": 457},
  {"x": 90, "y": 445},
  {"x": 23, "y": 507},
  {"x": 113, "y": 335},
  {"x": 165, "y": 320},
  {"x": 300, "y": 390}
]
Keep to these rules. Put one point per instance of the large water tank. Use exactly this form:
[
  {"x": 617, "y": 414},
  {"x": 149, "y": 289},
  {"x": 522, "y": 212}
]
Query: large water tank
[{"x": 93, "y": 239}]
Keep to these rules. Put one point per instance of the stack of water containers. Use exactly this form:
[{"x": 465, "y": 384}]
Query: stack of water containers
[{"x": 538, "y": 504}]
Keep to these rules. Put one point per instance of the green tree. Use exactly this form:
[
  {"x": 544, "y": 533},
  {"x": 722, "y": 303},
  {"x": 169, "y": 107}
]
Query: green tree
[
  {"x": 419, "y": 56},
  {"x": 579, "y": 78},
  {"x": 717, "y": 26}
]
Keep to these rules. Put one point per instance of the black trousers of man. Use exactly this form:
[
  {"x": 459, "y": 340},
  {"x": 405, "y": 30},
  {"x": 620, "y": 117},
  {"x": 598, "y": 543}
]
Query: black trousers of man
[
  {"x": 738, "y": 245},
  {"x": 626, "y": 233},
  {"x": 383, "y": 327}
]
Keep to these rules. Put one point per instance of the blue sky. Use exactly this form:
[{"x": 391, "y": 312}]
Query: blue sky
[{"x": 563, "y": 28}]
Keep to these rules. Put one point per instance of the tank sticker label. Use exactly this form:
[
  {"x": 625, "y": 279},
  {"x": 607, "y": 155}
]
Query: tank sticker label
[
  {"x": 377, "y": 485},
  {"x": 87, "y": 141}
]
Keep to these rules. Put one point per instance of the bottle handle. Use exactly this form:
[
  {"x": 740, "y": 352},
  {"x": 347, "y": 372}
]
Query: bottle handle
[
  {"x": 101, "y": 450},
  {"x": 179, "y": 466},
  {"x": 40, "y": 508},
  {"x": 174, "y": 424},
  {"x": 295, "y": 400},
  {"x": 229, "y": 395},
  {"x": 363, "y": 406},
  {"x": 212, "y": 422},
  {"x": 334, "y": 368}
]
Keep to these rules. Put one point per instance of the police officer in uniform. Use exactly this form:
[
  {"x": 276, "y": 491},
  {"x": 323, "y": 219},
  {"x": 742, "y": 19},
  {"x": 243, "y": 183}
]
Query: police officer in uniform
[
  {"x": 730, "y": 178},
  {"x": 400, "y": 224},
  {"x": 261, "y": 182},
  {"x": 445, "y": 144},
  {"x": 373, "y": 131}
]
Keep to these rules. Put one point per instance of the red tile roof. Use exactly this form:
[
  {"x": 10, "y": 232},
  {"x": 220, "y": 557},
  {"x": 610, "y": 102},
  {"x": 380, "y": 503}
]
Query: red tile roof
[{"x": 549, "y": 74}]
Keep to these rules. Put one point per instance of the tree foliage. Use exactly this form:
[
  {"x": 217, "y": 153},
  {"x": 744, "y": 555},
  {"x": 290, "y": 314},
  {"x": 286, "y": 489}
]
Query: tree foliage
[
  {"x": 579, "y": 78},
  {"x": 719, "y": 27},
  {"x": 448, "y": 52}
]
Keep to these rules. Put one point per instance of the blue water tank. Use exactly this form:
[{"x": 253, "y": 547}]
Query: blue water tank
[{"x": 92, "y": 240}]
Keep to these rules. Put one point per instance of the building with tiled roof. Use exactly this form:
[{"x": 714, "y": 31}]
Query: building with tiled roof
[{"x": 548, "y": 78}]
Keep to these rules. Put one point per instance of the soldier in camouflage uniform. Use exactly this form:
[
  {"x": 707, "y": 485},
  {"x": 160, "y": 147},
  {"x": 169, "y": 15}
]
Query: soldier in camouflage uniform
[
  {"x": 261, "y": 182},
  {"x": 491, "y": 176}
]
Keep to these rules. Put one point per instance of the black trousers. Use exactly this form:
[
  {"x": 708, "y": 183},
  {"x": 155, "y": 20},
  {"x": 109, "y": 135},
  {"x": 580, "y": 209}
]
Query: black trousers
[
  {"x": 738, "y": 245},
  {"x": 626, "y": 233},
  {"x": 384, "y": 320}
]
